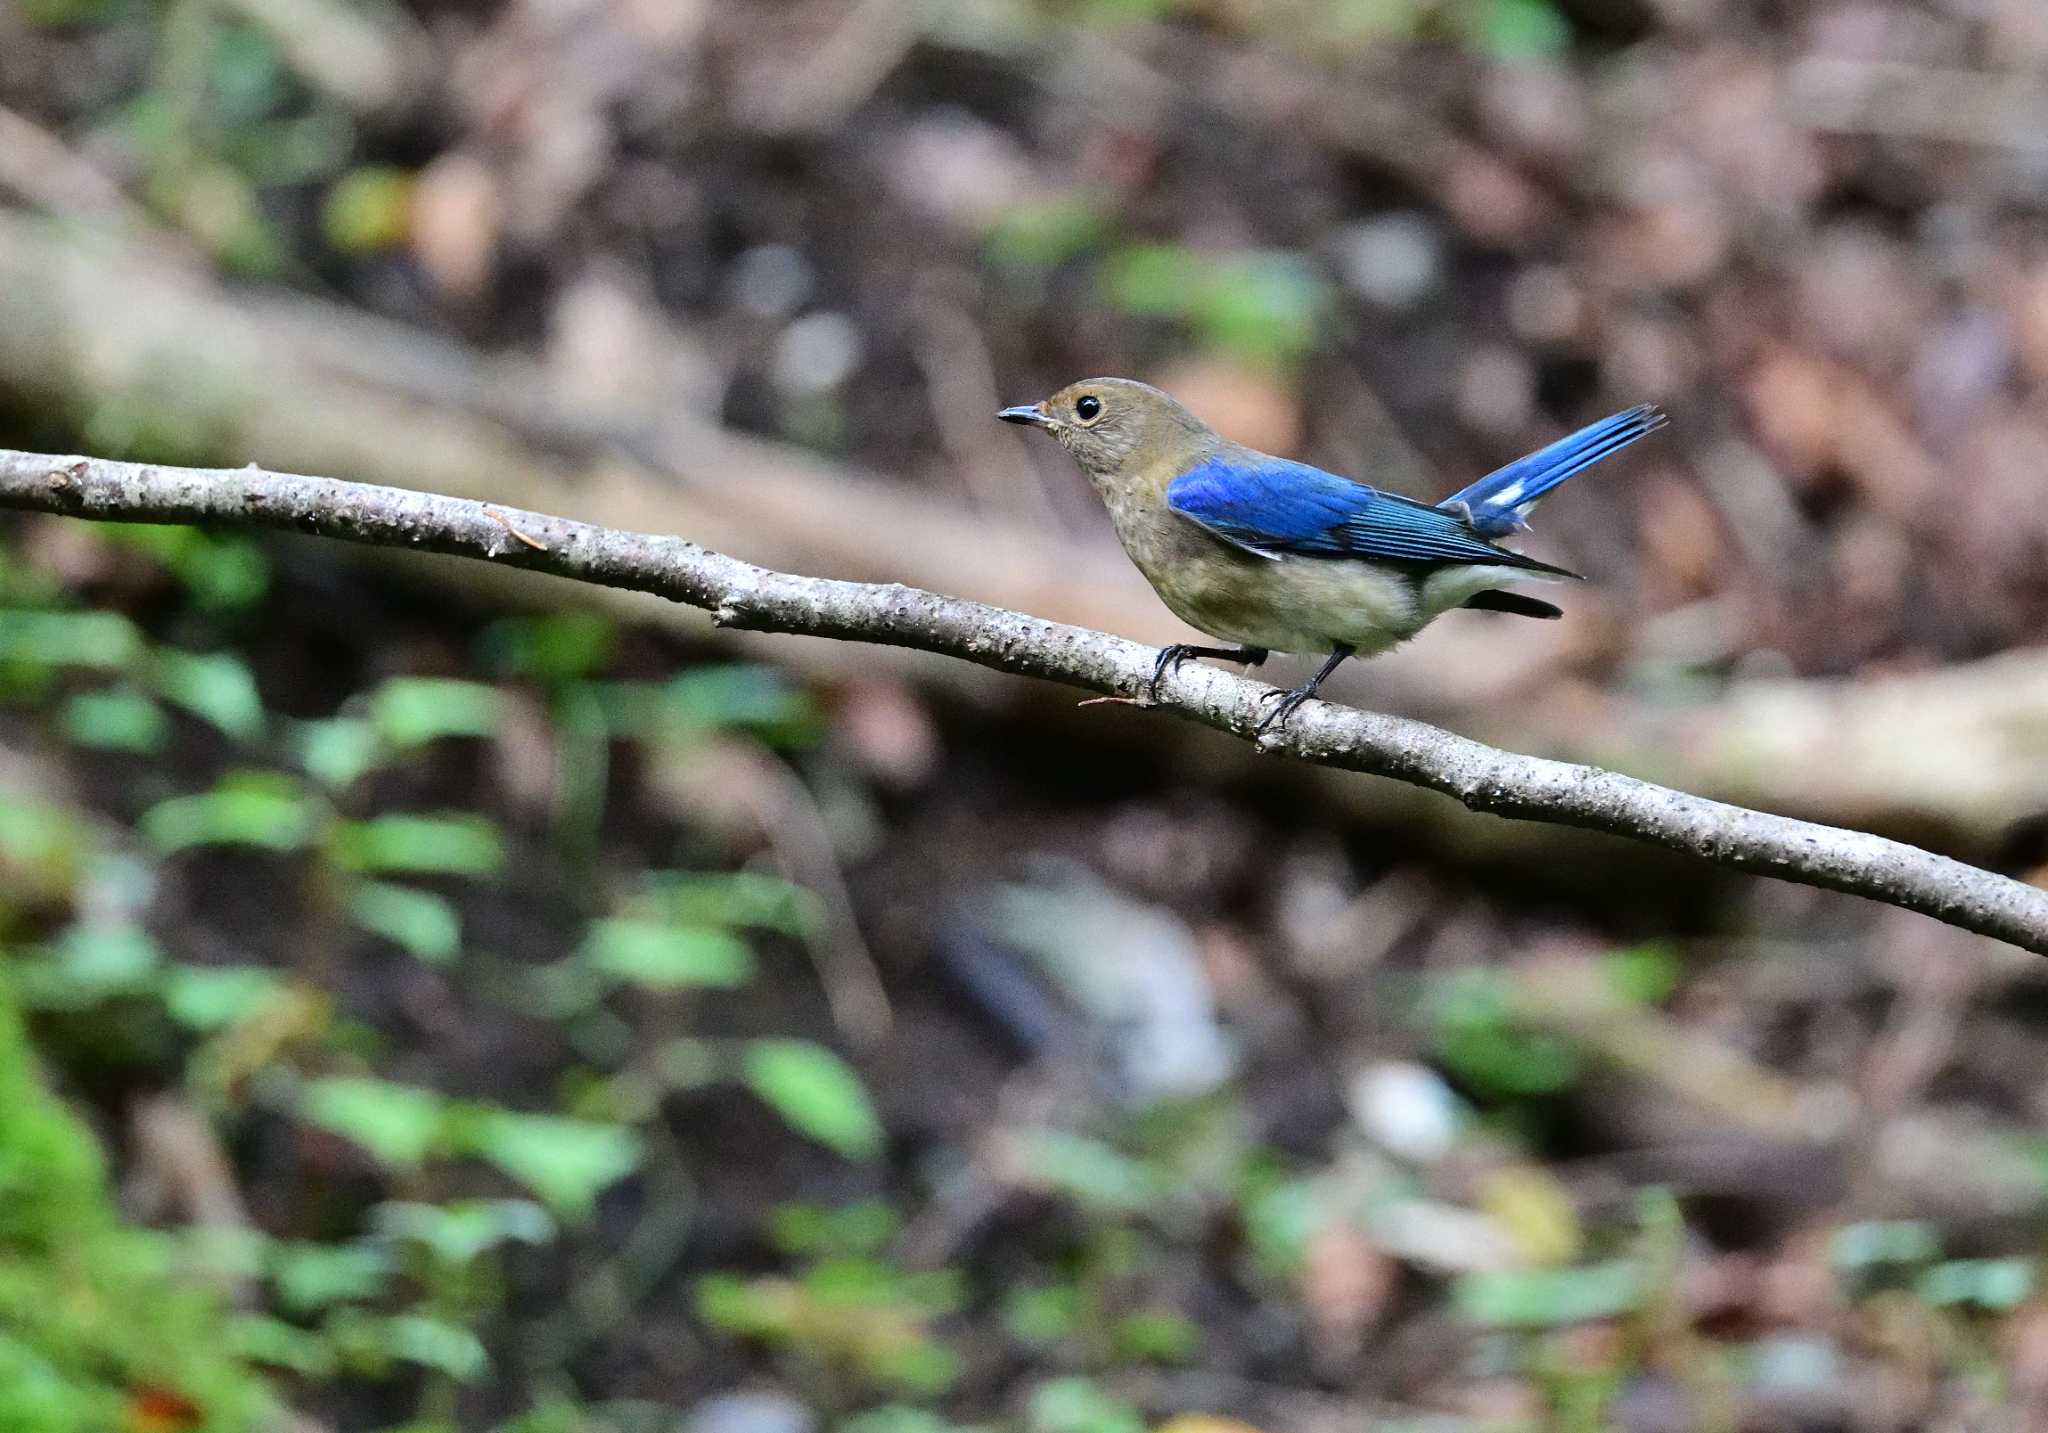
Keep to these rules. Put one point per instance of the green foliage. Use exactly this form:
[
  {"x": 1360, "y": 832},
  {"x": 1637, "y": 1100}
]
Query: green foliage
[
  {"x": 211, "y": 998},
  {"x": 338, "y": 751},
  {"x": 32, "y": 641},
  {"x": 214, "y": 686},
  {"x": 265, "y": 810},
  {"x": 816, "y": 1092},
  {"x": 412, "y": 711},
  {"x": 220, "y": 572},
  {"x": 368, "y": 209},
  {"x": 1471, "y": 1016},
  {"x": 1643, "y": 974},
  {"x": 92, "y": 1320},
  {"x": 552, "y": 648},
  {"x": 1996, "y": 1284},
  {"x": 1265, "y": 306},
  {"x": 566, "y": 1162},
  {"x": 424, "y": 924},
  {"x": 1034, "y": 238},
  {"x": 1079, "y": 1405},
  {"x": 459, "y": 1234},
  {"x": 866, "y": 1321},
  {"x": 1093, "y": 1174},
  {"x": 1546, "y": 1298},
  {"x": 666, "y": 957},
  {"x": 902, "y": 1418},
  {"x": 400, "y": 1124},
  {"x": 454, "y": 844},
  {"x": 115, "y": 719}
]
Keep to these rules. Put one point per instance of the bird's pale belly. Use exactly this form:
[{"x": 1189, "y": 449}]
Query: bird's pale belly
[
  {"x": 1294, "y": 604},
  {"x": 1291, "y": 604},
  {"x": 1307, "y": 604}
]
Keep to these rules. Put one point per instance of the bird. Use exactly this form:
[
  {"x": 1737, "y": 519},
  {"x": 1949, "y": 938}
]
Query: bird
[{"x": 1278, "y": 556}]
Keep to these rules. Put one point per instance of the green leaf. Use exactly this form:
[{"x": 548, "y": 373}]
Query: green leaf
[
  {"x": 864, "y": 1227},
  {"x": 1996, "y": 1284},
  {"x": 452, "y": 845},
  {"x": 425, "y": 925},
  {"x": 1523, "y": 29},
  {"x": 102, "y": 640},
  {"x": 399, "y": 1124},
  {"x": 1477, "y": 1040},
  {"x": 207, "y": 998},
  {"x": 667, "y": 957},
  {"x": 1093, "y": 1174},
  {"x": 412, "y": 711},
  {"x": 1645, "y": 974},
  {"x": 260, "y": 1338},
  {"x": 462, "y": 1232},
  {"x": 222, "y": 571},
  {"x": 119, "y": 719},
  {"x": 1043, "y": 1316},
  {"x": 566, "y": 1162},
  {"x": 439, "y": 1345},
  {"x": 558, "y": 646},
  {"x": 32, "y": 834},
  {"x": 1078, "y": 1405},
  {"x": 902, "y": 1418},
  {"x": 1266, "y": 305},
  {"x": 1879, "y": 1242},
  {"x": 1546, "y": 1298},
  {"x": 1153, "y": 280},
  {"x": 1281, "y": 1216},
  {"x": 310, "y": 1276},
  {"x": 267, "y": 810},
  {"x": 816, "y": 1092},
  {"x": 734, "y": 898},
  {"x": 215, "y": 686},
  {"x": 368, "y": 209},
  {"x": 1156, "y": 1336},
  {"x": 90, "y": 964},
  {"x": 337, "y": 751},
  {"x": 736, "y": 696},
  {"x": 1037, "y": 237}
]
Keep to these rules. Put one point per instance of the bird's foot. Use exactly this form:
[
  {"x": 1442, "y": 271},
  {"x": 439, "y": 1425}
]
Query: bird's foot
[
  {"x": 1290, "y": 701},
  {"x": 1285, "y": 704},
  {"x": 1171, "y": 657}
]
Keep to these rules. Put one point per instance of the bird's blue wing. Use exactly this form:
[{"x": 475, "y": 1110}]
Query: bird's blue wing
[
  {"x": 1274, "y": 508},
  {"x": 1499, "y": 503}
]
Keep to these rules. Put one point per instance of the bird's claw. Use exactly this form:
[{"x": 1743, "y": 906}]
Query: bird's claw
[
  {"x": 1287, "y": 704},
  {"x": 1170, "y": 659}
]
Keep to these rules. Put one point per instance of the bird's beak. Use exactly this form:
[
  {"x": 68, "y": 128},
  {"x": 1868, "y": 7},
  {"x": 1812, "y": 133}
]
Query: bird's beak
[{"x": 1031, "y": 413}]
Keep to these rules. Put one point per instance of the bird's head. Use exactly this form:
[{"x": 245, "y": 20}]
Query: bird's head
[{"x": 1114, "y": 427}]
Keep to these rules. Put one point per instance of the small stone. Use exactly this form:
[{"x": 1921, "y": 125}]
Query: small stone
[
  {"x": 818, "y": 352},
  {"x": 751, "y": 1411},
  {"x": 771, "y": 280},
  {"x": 1395, "y": 261}
]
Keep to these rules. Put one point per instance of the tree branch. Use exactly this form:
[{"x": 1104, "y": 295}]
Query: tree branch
[{"x": 743, "y": 596}]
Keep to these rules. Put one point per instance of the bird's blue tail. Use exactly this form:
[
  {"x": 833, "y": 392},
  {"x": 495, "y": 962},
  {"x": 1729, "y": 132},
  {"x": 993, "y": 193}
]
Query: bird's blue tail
[{"x": 1499, "y": 503}]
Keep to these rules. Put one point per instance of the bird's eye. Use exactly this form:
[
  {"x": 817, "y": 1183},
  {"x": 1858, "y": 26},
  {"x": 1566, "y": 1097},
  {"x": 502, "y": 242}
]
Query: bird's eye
[{"x": 1088, "y": 408}]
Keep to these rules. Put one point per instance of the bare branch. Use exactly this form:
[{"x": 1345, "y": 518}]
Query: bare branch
[{"x": 741, "y": 595}]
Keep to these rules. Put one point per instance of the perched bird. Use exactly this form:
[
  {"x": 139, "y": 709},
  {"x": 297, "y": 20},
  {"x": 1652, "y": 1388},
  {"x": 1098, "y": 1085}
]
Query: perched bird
[{"x": 1279, "y": 556}]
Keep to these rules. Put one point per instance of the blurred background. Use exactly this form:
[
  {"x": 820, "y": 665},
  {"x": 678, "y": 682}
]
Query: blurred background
[{"x": 443, "y": 999}]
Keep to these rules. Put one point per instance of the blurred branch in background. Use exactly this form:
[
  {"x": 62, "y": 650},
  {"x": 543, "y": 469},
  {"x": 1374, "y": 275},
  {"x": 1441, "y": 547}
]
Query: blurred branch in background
[{"x": 743, "y": 596}]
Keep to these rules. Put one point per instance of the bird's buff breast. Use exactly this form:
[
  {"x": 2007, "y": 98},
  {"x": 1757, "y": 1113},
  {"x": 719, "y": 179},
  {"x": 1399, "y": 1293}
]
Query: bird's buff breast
[{"x": 1287, "y": 604}]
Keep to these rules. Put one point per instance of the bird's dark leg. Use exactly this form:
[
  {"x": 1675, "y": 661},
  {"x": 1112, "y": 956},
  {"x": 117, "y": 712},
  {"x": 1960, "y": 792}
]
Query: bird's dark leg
[
  {"x": 1290, "y": 700},
  {"x": 1170, "y": 659}
]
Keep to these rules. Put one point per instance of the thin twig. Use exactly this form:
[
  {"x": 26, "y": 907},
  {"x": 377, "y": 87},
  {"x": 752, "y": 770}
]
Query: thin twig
[{"x": 741, "y": 595}]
